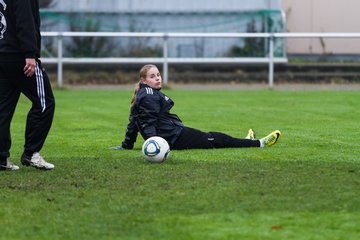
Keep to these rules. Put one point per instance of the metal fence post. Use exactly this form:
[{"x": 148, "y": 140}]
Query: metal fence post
[
  {"x": 271, "y": 61},
  {"x": 60, "y": 60},
  {"x": 165, "y": 56}
]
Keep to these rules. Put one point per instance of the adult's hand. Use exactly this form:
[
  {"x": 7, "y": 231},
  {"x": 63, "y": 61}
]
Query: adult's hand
[{"x": 30, "y": 65}]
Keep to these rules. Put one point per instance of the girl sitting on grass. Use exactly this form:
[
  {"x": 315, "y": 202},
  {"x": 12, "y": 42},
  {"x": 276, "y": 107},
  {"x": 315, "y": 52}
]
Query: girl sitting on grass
[{"x": 150, "y": 115}]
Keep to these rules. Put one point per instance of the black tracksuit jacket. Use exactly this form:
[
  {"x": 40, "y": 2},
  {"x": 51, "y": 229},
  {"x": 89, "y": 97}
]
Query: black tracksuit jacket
[
  {"x": 17, "y": 42},
  {"x": 20, "y": 39},
  {"x": 150, "y": 115}
]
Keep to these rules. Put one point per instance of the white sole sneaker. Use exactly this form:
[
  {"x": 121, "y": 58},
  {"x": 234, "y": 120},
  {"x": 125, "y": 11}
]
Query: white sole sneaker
[
  {"x": 251, "y": 134},
  {"x": 36, "y": 161},
  {"x": 9, "y": 166},
  {"x": 270, "y": 139}
]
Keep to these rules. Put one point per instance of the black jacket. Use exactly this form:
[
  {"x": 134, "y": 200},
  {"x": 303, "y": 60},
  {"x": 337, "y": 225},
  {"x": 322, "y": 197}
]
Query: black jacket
[
  {"x": 19, "y": 29},
  {"x": 150, "y": 115}
]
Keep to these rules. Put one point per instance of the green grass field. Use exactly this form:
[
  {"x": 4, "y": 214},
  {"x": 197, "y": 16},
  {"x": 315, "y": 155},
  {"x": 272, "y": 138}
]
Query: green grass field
[{"x": 305, "y": 187}]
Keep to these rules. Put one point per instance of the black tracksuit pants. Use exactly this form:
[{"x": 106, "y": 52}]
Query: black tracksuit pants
[
  {"x": 38, "y": 90},
  {"x": 191, "y": 138}
]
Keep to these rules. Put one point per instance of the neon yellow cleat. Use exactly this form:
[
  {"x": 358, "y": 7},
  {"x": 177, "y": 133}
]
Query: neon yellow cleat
[
  {"x": 270, "y": 139},
  {"x": 251, "y": 134}
]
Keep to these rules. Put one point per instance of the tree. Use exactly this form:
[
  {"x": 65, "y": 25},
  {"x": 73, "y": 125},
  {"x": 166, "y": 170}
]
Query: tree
[
  {"x": 140, "y": 47},
  {"x": 89, "y": 46},
  {"x": 253, "y": 47}
]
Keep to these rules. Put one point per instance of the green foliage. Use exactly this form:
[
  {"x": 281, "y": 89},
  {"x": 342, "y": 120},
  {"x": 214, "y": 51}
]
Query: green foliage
[
  {"x": 89, "y": 46},
  {"x": 305, "y": 187},
  {"x": 253, "y": 47},
  {"x": 141, "y": 47},
  {"x": 108, "y": 47},
  {"x": 138, "y": 48}
]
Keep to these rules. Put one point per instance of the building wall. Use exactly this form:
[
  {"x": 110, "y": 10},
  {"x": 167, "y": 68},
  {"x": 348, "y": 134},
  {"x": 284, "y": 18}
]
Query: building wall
[
  {"x": 322, "y": 16},
  {"x": 163, "y": 5},
  {"x": 170, "y": 16}
]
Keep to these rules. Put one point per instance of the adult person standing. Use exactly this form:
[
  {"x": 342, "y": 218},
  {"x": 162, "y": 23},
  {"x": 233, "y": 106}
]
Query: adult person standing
[{"x": 21, "y": 72}]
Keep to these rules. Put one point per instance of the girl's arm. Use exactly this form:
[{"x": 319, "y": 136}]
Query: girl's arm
[
  {"x": 149, "y": 109},
  {"x": 131, "y": 133}
]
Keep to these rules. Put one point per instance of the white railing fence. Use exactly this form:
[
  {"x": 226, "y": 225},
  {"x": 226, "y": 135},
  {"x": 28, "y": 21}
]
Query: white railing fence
[{"x": 270, "y": 59}]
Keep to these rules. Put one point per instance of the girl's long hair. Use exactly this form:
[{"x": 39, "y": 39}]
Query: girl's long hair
[{"x": 142, "y": 74}]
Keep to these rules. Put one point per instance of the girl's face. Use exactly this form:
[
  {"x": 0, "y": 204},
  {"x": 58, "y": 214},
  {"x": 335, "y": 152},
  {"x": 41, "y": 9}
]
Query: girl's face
[{"x": 153, "y": 78}]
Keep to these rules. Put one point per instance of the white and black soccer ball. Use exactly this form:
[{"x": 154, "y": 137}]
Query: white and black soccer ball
[{"x": 156, "y": 149}]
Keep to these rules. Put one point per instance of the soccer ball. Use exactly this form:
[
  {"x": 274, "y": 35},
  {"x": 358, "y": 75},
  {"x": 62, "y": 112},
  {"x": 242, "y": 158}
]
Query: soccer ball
[{"x": 155, "y": 149}]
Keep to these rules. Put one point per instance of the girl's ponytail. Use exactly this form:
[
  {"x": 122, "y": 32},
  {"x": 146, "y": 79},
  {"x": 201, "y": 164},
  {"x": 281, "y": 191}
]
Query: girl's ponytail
[
  {"x": 136, "y": 89},
  {"x": 142, "y": 75}
]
